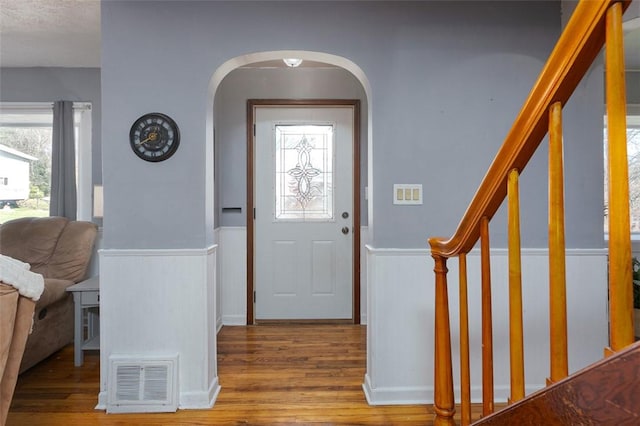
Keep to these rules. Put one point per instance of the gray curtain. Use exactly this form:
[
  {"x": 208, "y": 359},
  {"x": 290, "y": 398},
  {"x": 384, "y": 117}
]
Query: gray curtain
[{"x": 63, "y": 162}]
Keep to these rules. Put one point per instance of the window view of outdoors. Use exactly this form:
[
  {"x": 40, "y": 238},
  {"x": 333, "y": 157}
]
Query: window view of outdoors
[
  {"x": 633, "y": 154},
  {"x": 25, "y": 171}
]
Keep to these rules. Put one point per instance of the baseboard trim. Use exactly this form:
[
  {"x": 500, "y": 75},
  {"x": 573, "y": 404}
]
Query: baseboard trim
[
  {"x": 188, "y": 400},
  {"x": 102, "y": 401},
  {"x": 396, "y": 395},
  {"x": 234, "y": 320},
  {"x": 219, "y": 324},
  {"x": 425, "y": 394},
  {"x": 200, "y": 400}
]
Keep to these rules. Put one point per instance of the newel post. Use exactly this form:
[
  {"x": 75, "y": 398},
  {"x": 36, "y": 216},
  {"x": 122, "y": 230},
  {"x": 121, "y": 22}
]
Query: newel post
[{"x": 444, "y": 403}]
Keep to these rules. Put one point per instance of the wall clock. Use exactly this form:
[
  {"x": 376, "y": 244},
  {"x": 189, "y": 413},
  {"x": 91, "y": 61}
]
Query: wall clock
[{"x": 154, "y": 137}]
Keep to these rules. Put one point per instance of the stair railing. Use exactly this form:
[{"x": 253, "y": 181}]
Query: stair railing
[{"x": 592, "y": 24}]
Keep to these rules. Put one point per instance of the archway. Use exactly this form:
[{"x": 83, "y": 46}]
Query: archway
[{"x": 215, "y": 113}]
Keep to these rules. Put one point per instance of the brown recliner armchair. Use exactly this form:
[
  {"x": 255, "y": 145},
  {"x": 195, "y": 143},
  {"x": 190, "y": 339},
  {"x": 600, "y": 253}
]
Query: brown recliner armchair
[
  {"x": 60, "y": 250},
  {"x": 16, "y": 317}
]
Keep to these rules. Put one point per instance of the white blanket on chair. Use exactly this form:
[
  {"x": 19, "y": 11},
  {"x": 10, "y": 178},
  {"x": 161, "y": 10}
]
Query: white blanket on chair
[{"x": 17, "y": 274}]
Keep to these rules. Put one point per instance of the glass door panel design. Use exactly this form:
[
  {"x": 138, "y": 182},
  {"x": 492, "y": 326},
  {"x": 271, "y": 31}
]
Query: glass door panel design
[{"x": 304, "y": 163}]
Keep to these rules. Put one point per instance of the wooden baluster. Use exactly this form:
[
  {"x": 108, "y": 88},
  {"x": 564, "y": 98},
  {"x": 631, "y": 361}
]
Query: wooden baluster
[
  {"x": 487, "y": 325},
  {"x": 557, "y": 268},
  {"x": 620, "y": 284},
  {"x": 516, "y": 339},
  {"x": 444, "y": 401},
  {"x": 465, "y": 373}
]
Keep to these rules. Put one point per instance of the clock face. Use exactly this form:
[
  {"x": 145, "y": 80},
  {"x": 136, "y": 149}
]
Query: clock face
[{"x": 154, "y": 137}]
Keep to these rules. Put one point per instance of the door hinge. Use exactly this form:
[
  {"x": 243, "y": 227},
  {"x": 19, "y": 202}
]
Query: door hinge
[
  {"x": 254, "y": 296},
  {"x": 254, "y": 213},
  {"x": 254, "y": 129}
]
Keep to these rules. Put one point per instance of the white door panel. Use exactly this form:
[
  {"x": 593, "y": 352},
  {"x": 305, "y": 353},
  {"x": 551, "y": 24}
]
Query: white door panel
[{"x": 303, "y": 185}]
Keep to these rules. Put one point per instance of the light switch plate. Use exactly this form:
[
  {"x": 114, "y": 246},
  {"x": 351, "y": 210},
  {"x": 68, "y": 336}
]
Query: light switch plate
[{"x": 407, "y": 193}]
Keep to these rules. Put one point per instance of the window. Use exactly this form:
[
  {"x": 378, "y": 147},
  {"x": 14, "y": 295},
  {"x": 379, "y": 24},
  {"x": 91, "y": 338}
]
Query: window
[
  {"x": 304, "y": 172},
  {"x": 25, "y": 159},
  {"x": 633, "y": 154}
]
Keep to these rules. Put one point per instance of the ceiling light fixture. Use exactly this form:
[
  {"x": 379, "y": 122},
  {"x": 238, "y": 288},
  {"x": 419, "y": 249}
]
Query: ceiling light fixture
[{"x": 292, "y": 62}]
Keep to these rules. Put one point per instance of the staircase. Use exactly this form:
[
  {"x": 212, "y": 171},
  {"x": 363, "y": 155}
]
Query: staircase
[{"x": 604, "y": 392}]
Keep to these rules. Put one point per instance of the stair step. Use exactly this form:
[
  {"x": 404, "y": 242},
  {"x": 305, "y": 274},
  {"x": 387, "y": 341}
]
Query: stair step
[{"x": 604, "y": 393}]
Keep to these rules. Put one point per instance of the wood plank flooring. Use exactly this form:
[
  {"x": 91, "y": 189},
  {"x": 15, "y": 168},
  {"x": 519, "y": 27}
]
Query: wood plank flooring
[{"x": 270, "y": 375}]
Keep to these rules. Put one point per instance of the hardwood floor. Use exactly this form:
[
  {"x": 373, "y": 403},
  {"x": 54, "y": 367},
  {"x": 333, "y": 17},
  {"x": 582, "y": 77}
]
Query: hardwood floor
[{"x": 270, "y": 375}]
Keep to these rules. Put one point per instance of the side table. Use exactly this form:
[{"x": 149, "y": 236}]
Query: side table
[{"x": 86, "y": 299}]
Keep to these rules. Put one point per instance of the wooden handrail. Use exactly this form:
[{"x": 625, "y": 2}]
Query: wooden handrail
[
  {"x": 591, "y": 23},
  {"x": 579, "y": 44}
]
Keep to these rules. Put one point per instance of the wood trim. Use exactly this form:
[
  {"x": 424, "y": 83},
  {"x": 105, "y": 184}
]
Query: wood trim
[
  {"x": 252, "y": 104},
  {"x": 304, "y": 322},
  {"x": 250, "y": 208},
  {"x": 356, "y": 212}
]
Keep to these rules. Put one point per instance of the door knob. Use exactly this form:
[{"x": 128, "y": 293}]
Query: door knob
[{"x": 345, "y": 230}]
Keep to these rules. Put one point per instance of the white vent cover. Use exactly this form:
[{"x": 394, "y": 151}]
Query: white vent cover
[{"x": 142, "y": 385}]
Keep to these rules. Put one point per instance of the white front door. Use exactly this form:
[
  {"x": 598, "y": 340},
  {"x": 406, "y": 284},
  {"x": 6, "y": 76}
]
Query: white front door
[{"x": 303, "y": 217}]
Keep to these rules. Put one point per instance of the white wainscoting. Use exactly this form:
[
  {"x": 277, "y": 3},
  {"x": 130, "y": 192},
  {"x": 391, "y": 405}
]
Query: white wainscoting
[
  {"x": 216, "y": 236},
  {"x": 365, "y": 239},
  {"x": 232, "y": 278},
  {"x": 232, "y": 260},
  {"x": 401, "y": 326},
  {"x": 156, "y": 302}
]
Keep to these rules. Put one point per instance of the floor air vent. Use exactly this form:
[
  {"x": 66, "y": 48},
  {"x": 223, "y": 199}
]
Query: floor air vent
[{"x": 142, "y": 385}]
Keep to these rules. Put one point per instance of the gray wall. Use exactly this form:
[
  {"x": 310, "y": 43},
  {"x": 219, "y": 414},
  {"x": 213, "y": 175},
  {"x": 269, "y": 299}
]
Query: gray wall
[
  {"x": 633, "y": 87},
  {"x": 231, "y": 123},
  {"x": 447, "y": 79},
  {"x": 52, "y": 84}
]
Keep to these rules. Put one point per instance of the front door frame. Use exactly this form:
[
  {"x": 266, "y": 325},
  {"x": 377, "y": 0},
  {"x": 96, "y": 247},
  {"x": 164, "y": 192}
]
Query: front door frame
[{"x": 252, "y": 104}]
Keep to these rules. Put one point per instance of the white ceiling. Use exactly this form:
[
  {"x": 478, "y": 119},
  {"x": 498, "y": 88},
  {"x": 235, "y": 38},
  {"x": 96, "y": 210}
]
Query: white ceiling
[
  {"x": 50, "y": 33},
  {"x": 66, "y": 33}
]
